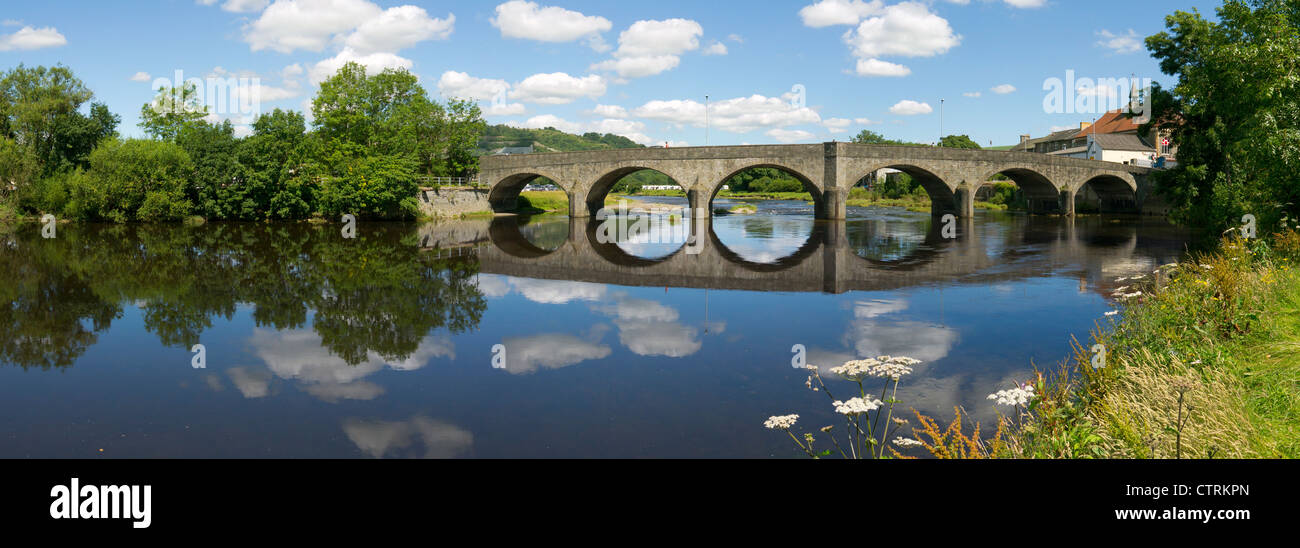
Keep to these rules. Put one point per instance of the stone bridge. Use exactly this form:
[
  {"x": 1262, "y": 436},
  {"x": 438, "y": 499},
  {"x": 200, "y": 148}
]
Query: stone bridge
[
  {"x": 826, "y": 263},
  {"x": 828, "y": 171}
]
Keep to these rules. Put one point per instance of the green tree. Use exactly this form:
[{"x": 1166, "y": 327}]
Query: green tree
[
  {"x": 171, "y": 110},
  {"x": 868, "y": 137},
  {"x": 272, "y": 156},
  {"x": 219, "y": 188},
  {"x": 959, "y": 141},
  {"x": 1234, "y": 113},
  {"x": 40, "y": 110}
]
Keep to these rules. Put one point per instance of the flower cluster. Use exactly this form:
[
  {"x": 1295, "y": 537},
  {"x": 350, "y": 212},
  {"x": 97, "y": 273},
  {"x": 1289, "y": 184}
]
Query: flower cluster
[
  {"x": 907, "y": 442},
  {"x": 856, "y": 406},
  {"x": 1015, "y": 396},
  {"x": 785, "y": 422},
  {"x": 886, "y": 367}
]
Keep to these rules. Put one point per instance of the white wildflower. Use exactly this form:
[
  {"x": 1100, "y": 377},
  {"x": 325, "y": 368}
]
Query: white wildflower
[
  {"x": 856, "y": 369},
  {"x": 1113, "y": 313},
  {"x": 1020, "y": 395},
  {"x": 781, "y": 423},
  {"x": 856, "y": 406},
  {"x": 907, "y": 442}
]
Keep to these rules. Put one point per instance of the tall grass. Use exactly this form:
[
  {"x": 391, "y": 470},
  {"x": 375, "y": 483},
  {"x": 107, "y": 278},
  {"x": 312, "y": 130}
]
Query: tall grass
[{"x": 1204, "y": 362}]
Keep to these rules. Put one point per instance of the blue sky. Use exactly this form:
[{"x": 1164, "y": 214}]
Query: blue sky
[{"x": 776, "y": 71}]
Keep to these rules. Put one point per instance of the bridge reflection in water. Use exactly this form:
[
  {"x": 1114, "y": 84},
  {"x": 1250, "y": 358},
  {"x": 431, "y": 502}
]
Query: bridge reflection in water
[{"x": 837, "y": 256}]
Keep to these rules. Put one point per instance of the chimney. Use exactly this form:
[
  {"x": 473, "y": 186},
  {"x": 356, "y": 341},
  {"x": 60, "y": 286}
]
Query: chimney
[{"x": 1024, "y": 139}]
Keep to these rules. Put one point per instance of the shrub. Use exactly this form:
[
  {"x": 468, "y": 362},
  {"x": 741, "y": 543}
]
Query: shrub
[
  {"x": 136, "y": 180},
  {"x": 379, "y": 187}
]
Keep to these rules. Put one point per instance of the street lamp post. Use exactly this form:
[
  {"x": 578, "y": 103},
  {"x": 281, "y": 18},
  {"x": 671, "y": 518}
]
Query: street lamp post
[
  {"x": 706, "y": 120},
  {"x": 941, "y": 108}
]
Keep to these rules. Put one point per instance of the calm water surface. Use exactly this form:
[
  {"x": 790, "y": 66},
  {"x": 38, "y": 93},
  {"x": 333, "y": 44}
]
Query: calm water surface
[{"x": 383, "y": 346}]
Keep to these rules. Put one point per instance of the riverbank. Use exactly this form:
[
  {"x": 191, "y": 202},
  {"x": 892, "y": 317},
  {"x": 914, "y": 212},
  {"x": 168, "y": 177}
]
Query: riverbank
[
  {"x": 1202, "y": 360},
  {"x": 536, "y": 203}
]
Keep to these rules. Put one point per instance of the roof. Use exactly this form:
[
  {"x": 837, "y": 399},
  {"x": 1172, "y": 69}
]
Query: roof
[
  {"x": 1062, "y": 135},
  {"x": 1115, "y": 121},
  {"x": 1123, "y": 141}
]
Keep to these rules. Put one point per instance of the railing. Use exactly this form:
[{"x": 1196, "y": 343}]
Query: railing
[
  {"x": 449, "y": 181},
  {"x": 455, "y": 252},
  {"x": 433, "y": 182}
]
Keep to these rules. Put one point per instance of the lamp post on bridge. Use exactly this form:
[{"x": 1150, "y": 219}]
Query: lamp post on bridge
[{"x": 706, "y": 120}]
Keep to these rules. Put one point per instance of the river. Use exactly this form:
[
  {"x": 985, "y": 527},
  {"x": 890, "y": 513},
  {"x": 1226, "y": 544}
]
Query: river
[{"x": 523, "y": 338}]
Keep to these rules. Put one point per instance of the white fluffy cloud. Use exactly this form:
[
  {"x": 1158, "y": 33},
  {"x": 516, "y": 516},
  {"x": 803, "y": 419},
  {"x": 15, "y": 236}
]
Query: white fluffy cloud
[
  {"x": 631, "y": 129},
  {"x": 464, "y": 86},
  {"x": 141, "y": 77},
  {"x": 374, "y": 63},
  {"x": 648, "y": 48},
  {"x": 1120, "y": 43},
  {"x": 910, "y": 108},
  {"x": 909, "y": 29},
  {"x": 739, "y": 115},
  {"x": 838, "y": 12},
  {"x": 610, "y": 111},
  {"x": 1004, "y": 89},
  {"x": 557, "y": 88},
  {"x": 239, "y": 6},
  {"x": 876, "y": 67},
  {"x": 789, "y": 135},
  {"x": 716, "y": 48},
  {"x": 289, "y": 25},
  {"x": 529, "y": 21},
  {"x": 399, "y": 28},
  {"x": 30, "y": 38},
  {"x": 364, "y": 32}
]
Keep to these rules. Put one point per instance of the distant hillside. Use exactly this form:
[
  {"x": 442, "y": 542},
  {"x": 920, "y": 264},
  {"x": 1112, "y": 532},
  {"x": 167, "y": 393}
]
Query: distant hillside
[{"x": 550, "y": 140}]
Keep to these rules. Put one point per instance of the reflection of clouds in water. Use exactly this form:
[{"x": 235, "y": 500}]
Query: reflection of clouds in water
[
  {"x": 925, "y": 342},
  {"x": 492, "y": 286},
  {"x": 540, "y": 291},
  {"x": 551, "y": 351},
  {"x": 938, "y": 396},
  {"x": 252, "y": 383},
  {"x": 333, "y": 393},
  {"x": 300, "y": 355},
  {"x": 659, "y": 338},
  {"x": 378, "y": 439},
  {"x": 214, "y": 382},
  {"x": 646, "y": 327},
  {"x": 826, "y": 359},
  {"x": 763, "y": 239},
  {"x": 650, "y": 328},
  {"x": 877, "y": 308}
]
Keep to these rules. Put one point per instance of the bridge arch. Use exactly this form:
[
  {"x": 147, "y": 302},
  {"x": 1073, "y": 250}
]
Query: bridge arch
[
  {"x": 603, "y": 185},
  {"x": 1107, "y": 193},
  {"x": 943, "y": 197},
  {"x": 1042, "y": 194},
  {"x": 504, "y": 196},
  {"x": 819, "y": 202}
]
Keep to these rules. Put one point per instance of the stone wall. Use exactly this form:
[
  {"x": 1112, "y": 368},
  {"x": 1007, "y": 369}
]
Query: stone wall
[{"x": 453, "y": 201}]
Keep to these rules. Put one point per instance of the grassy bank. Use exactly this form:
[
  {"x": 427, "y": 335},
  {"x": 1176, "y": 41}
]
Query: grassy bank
[
  {"x": 533, "y": 203},
  {"x": 1202, "y": 361}
]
